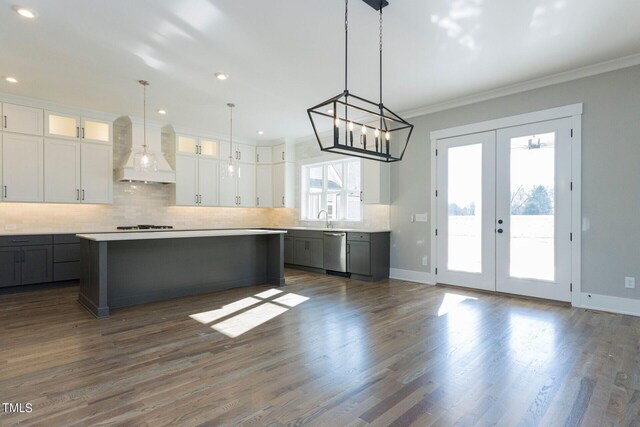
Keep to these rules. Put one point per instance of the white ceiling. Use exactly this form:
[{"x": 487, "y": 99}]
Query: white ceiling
[{"x": 285, "y": 55}]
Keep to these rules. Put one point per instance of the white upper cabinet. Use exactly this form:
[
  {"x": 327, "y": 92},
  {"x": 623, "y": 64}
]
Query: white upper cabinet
[
  {"x": 264, "y": 186},
  {"x": 283, "y": 185},
  {"x": 21, "y": 119},
  {"x": 61, "y": 171},
  {"x": 247, "y": 185},
  {"x": 96, "y": 173},
  {"x": 208, "y": 148},
  {"x": 207, "y": 181},
  {"x": 22, "y": 168},
  {"x": 61, "y": 125},
  {"x": 245, "y": 153},
  {"x": 186, "y": 144},
  {"x": 264, "y": 155},
  {"x": 93, "y": 130},
  {"x": 186, "y": 181},
  {"x": 280, "y": 154},
  {"x": 70, "y": 126},
  {"x": 228, "y": 188},
  {"x": 374, "y": 182}
]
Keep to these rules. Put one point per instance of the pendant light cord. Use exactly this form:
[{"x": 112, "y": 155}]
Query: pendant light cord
[
  {"x": 346, "y": 45},
  {"x": 144, "y": 116},
  {"x": 381, "y": 55}
]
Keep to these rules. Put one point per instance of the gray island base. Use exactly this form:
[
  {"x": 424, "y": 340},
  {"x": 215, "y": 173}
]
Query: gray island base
[{"x": 125, "y": 269}]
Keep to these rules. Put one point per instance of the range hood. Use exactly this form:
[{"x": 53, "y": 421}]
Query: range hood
[{"x": 128, "y": 139}]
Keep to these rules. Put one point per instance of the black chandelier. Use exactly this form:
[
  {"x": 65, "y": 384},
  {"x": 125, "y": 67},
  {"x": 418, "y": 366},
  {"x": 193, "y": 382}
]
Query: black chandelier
[{"x": 361, "y": 128}]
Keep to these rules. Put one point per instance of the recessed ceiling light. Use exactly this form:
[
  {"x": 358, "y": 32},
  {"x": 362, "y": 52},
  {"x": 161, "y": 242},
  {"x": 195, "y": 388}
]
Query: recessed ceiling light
[
  {"x": 222, "y": 76},
  {"x": 260, "y": 132},
  {"x": 26, "y": 12},
  {"x": 11, "y": 79},
  {"x": 162, "y": 112}
]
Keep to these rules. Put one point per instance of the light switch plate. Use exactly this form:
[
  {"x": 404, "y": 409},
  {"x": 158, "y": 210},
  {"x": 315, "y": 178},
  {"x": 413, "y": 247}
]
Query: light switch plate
[
  {"x": 422, "y": 217},
  {"x": 630, "y": 282}
]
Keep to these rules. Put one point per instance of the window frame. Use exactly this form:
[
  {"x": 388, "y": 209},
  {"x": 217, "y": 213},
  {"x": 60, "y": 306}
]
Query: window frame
[{"x": 325, "y": 192}]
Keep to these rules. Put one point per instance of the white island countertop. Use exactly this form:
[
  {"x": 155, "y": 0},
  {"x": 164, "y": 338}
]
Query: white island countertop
[{"x": 150, "y": 235}]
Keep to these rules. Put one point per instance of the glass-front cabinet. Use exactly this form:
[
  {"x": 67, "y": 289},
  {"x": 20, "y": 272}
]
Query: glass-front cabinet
[{"x": 69, "y": 126}]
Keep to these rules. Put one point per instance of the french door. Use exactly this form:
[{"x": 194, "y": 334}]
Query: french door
[{"x": 504, "y": 210}]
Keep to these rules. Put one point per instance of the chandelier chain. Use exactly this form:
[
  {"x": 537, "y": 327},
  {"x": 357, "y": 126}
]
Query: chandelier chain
[
  {"x": 380, "y": 57},
  {"x": 346, "y": 45}
]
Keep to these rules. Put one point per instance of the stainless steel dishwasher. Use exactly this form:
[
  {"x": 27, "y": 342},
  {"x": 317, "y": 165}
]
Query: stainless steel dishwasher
[{"x": 335, "y": 251}]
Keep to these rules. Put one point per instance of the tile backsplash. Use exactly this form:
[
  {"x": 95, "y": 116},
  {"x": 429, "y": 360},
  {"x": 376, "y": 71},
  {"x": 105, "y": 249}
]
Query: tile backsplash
[{"x": 135, "y": 203}]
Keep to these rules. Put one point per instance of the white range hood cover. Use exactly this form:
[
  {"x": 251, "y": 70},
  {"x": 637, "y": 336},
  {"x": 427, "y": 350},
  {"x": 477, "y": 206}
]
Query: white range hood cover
[{"x": 129, "y": 135}]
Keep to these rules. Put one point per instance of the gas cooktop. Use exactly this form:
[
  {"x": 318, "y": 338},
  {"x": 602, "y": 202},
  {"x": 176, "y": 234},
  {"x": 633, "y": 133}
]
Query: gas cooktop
[{"x": 145, "y": 227}]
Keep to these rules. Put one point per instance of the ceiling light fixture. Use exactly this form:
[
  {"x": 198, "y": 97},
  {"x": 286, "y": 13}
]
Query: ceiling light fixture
[
  {"x": 11, "y": 79},
  {"x": 230, "y": 168},
  {"x": 260, "y": 132},
  {"x": 162, "y": 112},
  {"x": 222, "y": 76},
  {"x": 144, "y": 160},
  {"x": 391, "y": 133},
  {"x": 26, "y": 12}
]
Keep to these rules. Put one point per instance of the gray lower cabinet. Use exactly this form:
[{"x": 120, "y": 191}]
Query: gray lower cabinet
[
  {"x": 359, "y": 258},
  {"x": 288, "y": 250},
  {"x": 308, "y": 252},
  {"x": 10, "y": 272},
  {"x": 37, "y": 263},
  {"x": 35, "y": 259}
]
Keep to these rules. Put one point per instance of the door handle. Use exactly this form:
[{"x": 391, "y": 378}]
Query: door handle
[
  {"x": 257, "y": 201},
  {"x": 239, "y": 200},
  {"x": 82, "y": 194},
  {"x": 83, "y": 133},
  {"x": 334, "y": 234},
  {"x": 5, "y": 121},
  {"x": 500, "y": 230},
  {"x": 361, "y": 196},
  {"x": 258, "y": 158},
  {"x": 77, "y": 194},
  {"x": 196, "y": 199},
  {"x": 282, "y": 200},
  {"x": 5, "y": 191},
  {"x": 77, "y": 131},
  {"x": 283, "y": 155}
]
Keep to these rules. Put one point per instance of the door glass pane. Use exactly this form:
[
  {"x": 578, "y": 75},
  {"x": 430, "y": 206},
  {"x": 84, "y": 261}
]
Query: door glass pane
[
  {"x": 63, "y": 126},
  {"x": 465, "y": 208},
  {"x": 532, "y": 229},
  {"x": 96, "y": 131}
]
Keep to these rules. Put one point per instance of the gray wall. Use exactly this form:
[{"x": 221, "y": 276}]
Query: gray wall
[{"x": 610, "y": 175}]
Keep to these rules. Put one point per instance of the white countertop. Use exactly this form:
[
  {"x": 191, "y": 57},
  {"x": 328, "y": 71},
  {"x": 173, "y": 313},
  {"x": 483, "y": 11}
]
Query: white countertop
[
  {"x": 336, "y": 229},
  {"x": 150, "y": 235}
]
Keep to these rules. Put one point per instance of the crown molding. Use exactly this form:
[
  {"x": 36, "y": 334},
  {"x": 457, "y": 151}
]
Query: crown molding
[
  {"x": 52, "y": 106},
  {"x": 565, "y": 76}
]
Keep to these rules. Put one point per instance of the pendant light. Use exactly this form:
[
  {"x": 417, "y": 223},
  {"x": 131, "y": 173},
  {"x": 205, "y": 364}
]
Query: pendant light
[
  {"x": 357, "y": 126},
  {"x": 230, "y": 166},
  {"x": 144, "y": 160}
]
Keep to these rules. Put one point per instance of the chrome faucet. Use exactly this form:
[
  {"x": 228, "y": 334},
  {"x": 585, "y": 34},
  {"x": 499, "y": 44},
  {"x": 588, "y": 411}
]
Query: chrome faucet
[{"x": 326, "y": 218}]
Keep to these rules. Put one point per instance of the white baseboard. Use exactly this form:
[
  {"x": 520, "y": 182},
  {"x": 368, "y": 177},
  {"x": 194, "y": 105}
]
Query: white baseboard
[
  {"x": 411, "y": 276},
  {"x": 606, "y": 303}
]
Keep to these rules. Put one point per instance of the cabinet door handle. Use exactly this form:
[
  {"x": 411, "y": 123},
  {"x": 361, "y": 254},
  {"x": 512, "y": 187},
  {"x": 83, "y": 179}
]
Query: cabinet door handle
[
  {"x": 240, "y": 154},
  {"x": 239, "y": 200},
  {"x": 77, "y": 194},
  {"x": 196, "y": 199},
  {"x": 361, "y": 196},
  {"x": 5, "y": 121},
  {"x": 283, "y": 155},
  {"x": 82, "y": 194},
  {"x": 258, "y": 158},
  {"x": 5, "y": 191},
  {"x": 282, "y": 200},
  {"x": 77, "y": 132},
  {"x": 83, "y": 133},
  {"x": 257, "y": 201},
  {"x": 348, "y": 249}
]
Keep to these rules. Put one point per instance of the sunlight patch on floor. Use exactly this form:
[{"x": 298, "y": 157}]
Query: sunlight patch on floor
[
  {"x": 450, "y": 302},
  {"x": 265, "y": 309}
]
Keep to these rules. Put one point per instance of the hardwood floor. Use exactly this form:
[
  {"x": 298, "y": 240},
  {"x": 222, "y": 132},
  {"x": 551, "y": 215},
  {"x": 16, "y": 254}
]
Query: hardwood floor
[{"x": 355, "y": 353}]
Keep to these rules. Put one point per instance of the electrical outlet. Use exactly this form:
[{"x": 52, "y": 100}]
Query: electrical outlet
[
  {"x": 10, "y": 227},
  {"x": 425, "y": 260},
  {"x": 630, "y": 282}
]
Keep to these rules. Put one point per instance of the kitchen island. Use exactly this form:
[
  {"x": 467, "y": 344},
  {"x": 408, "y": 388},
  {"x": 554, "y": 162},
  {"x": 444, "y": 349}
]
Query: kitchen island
[{"x": 124, "y": 269}]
